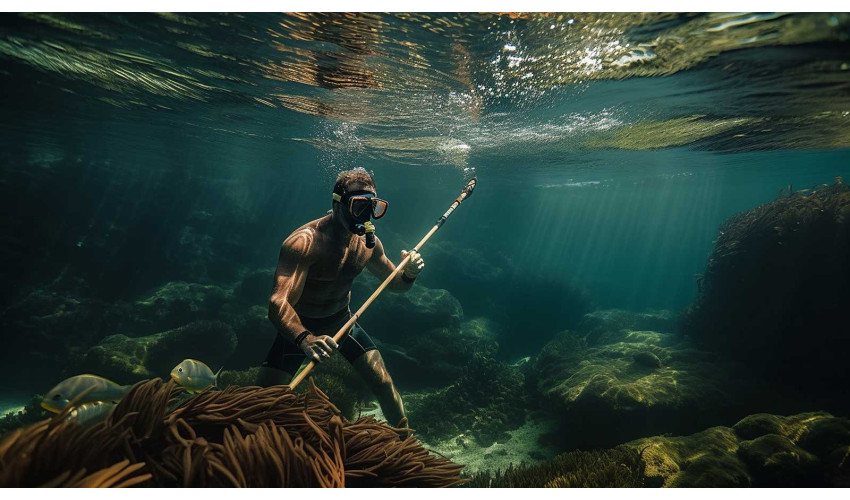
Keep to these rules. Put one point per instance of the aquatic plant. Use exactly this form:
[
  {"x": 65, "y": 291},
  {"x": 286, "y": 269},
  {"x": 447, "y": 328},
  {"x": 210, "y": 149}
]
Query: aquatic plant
[
  {"x": 488, "y": 400},
  {"x": 241, "y": 436},
  {"x": 808, "y": 449},
  {"x": 775, "y": 289},
  {"x": 615, "y": 468}
]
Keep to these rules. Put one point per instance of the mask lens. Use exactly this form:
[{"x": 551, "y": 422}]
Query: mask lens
[
  {"x": 379, "y": 208},
  {"x": 360, "y": 206}
]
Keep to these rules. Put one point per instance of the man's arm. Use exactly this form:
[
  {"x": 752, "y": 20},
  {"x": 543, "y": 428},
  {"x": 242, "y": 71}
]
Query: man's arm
[
  {"x": 381, "y": 267},
  {"x": 289, "y": 278}
]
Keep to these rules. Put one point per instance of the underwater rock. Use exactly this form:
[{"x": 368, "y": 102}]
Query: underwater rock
[
  {"x": 775, "y": 291},
  {"x": 443, "y": 352},
  {"x": 49, "y": 325},
  {"x": 175, "y": 304},
  {"x": 126, "y": 360},
  {"x": 612, "y": 320},
  {"x": 774, "y": 460},
  {"x": 647, "y": 359},
  {"x": 395, "y": 316},
  {"x": 722, "y": 456},
  {"x": 760, "y": 424},
  {"x": 635, "y": 384}
]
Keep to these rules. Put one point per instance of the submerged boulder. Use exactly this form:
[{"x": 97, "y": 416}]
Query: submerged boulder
[
  {"x": 776, "y": 289},
  {"x": 748, "y": 454},
  {"x": 627, "y": 384},
  {"x": 177, "y": 303},
  {"x": 396, "y": 316},
  {"x": 441, "y": 353},
  {"x": 127, "y": 360}
]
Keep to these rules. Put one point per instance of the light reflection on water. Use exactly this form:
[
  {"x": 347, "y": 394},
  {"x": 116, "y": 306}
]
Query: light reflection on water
[{"x": 421, "y": 88}]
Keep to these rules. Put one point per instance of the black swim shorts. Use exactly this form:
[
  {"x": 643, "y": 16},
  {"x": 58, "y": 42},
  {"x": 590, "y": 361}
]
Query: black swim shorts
[{"x": 285, "y": 355}]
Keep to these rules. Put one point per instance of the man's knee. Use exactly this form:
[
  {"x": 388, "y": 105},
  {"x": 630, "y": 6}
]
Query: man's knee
[{"x": 268, "y": 376}]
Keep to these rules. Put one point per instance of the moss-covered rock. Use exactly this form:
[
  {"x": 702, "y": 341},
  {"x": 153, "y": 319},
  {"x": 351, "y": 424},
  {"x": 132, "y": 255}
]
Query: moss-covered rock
[
  {"x": 625, "y": 384},
  {"x": 750, "y": 454},
  {"x": 706, "y": 458},
  {"x": 441, "y": 352},
  {"x": 126, "y": 360},
  {"x": 775, "y": 290},
  {"x": 612, "y": 320},
  {"x": 177, "y": 303},
  {"x": 394, "y": 317},
  {"x": 773, "y": 460}
]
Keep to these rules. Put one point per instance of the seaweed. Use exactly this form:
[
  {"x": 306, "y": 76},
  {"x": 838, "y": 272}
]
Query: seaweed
[
  {"x": 488, "y": 400},
  {"x": 240, "y": 436},
  {"x": 619, "y": 467},
  {"x": 777, "y": 285}
]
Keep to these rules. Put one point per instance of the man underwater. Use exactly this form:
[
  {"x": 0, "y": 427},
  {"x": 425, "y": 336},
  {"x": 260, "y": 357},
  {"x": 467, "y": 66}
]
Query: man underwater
[{"x": 312, "y": 290}]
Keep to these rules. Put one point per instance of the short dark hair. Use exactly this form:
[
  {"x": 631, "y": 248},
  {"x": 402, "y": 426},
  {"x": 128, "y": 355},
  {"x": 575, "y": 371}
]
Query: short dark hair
[{"x": 354, "y": 176}]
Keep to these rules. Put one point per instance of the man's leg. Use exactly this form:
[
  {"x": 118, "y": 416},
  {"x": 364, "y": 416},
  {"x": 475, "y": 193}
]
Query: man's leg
[
  {"x": 283, "y": 359},
  {"x": 370, "y": 366}
]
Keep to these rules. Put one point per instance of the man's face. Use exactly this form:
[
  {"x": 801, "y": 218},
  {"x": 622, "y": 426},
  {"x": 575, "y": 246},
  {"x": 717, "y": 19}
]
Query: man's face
[{"x": 354, "y": 187}]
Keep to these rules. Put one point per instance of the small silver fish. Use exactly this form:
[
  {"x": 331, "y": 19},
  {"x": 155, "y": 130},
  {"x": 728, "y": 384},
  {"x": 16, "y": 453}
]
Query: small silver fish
[
  {"x": 100, "y": 389},
  {"x": 194, "y": 375},
  {"x": 91, "y": 413}
]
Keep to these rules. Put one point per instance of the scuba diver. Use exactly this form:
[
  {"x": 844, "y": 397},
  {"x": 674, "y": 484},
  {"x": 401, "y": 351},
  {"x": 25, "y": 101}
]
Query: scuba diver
[{"x": 312, "y": 290}]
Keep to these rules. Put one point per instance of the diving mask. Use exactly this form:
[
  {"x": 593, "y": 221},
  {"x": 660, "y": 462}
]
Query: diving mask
[{"x": 362, "y": 205}]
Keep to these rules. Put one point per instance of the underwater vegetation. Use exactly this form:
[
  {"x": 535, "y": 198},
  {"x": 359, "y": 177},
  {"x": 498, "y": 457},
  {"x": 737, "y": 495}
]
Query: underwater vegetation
[
  {"x": 620, "y": 467},
  {"x": 776, "y": 288},
  {"x": 617, "y": 384},
  {"x": 809, "y": 449},
  {"x": 241, "y": 436},
  {"x": 488, "y": 400}
]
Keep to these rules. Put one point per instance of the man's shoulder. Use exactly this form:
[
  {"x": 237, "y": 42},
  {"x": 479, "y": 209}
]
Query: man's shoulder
[{"x": 304, "y": 240}]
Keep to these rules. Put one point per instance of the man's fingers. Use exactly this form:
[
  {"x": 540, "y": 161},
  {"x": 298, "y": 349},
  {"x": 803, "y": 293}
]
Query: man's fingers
[
  {"x": 332, "y": 343},
  {"x": 315, "y": 356}
]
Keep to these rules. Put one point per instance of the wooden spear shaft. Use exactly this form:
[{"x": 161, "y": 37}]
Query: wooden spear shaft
[{"x": 466, "y": 193}]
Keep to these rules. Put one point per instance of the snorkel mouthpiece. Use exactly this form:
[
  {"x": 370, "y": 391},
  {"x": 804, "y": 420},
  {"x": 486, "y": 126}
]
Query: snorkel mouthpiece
[{"x": 370, "y": 234}]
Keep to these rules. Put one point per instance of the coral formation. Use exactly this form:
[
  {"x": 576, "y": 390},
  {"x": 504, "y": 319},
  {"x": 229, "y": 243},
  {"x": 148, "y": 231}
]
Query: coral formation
[
  {"x": 776, "y": 287},
  {"x": 236, "y": 437},
  {"x": 620, "y": 467}
]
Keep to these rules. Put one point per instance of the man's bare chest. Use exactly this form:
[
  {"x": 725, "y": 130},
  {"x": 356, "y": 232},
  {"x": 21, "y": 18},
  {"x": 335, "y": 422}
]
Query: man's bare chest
[{"x": 340, "y": 265}]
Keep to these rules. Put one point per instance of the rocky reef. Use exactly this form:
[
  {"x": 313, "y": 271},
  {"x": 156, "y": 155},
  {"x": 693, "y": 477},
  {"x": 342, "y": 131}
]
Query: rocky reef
[
  {"x": 617, "y": 384},
  {"x": 809, "y": 449},
  {"x": 776, "y": 289}
]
